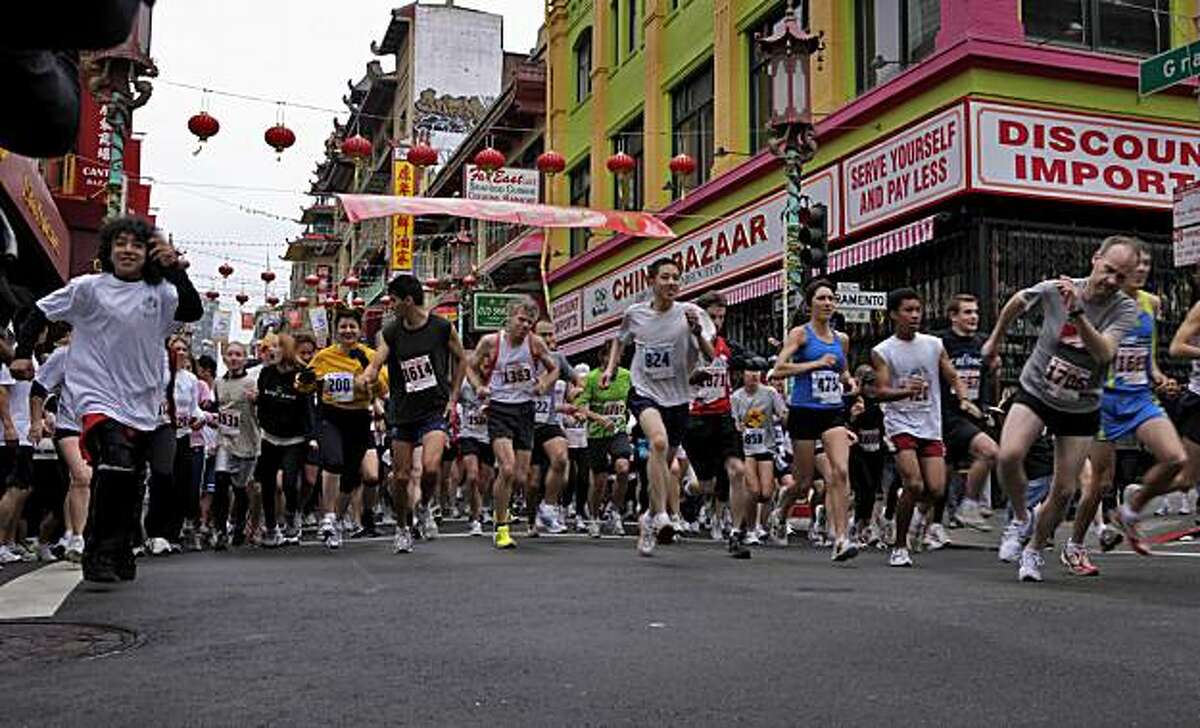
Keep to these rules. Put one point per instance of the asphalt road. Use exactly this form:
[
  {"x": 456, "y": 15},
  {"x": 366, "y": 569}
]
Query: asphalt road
[{"x": 569, "y": 631}]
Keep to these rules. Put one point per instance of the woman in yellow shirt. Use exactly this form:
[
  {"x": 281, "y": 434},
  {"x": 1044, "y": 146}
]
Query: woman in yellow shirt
[{"x": 345, "y": 411}]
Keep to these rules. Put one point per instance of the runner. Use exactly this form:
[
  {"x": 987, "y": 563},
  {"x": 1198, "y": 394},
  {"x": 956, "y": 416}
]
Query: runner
[
  {"x": 713, "y": 443},
  {"x": 17, "y": 470},
  {"x": 575, "y": 426},
  {"x": 345, "y": 417},
  {"x": 204, "y": 447},
  {"x": 756, "y": 409},
  {"x": 306, "y": 349},
  {"x": 1083, "y": 323},
  {"x": 285, "y": 415},
  {"x": 609, "y": 450},
  {"x": 966, "y": 440},
  {"x": 120, "y": 318},
  {"x": 912, "y": 411},
  {"x": 476, "y": 448},
  {"x": 815, "y": 356},
  {"x": 668, "y": 338},
  {"x": 502, "y": 373},
  {"x": 867, "y": 459},
  {"x": 426, "y": 361},
  {"x": 549, "y": 439},
  {"x": 239, "y": 445}
]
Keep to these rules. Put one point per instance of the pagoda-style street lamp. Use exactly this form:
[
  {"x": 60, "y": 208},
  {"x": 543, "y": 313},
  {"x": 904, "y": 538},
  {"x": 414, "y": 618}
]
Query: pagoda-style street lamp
[{"x": 789, "y": 53}]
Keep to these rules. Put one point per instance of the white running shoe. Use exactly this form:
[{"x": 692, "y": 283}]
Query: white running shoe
[
  {"x": 646, "y": 540},
  {"x": 664, "y": 529},
  {"x": 777, "y": 528},
  {"x": 969, "y": 515},
  {"x": 45, "y": 554},
  {"x": 760, "y": 533},
  {"x": 593, "y": 528},
  {"x": 935, "y": 537},
  {"x": 475, "y": 526},
  {"x": 547, "y": 519},
  {"x": 900, "y": 557},
  {"x": 334, "y": 540},
  {"x": 678, "y": 524},
  {"x": 844, "y": 550},
  {"x": 403, "y": 543},
  {"x": 581, "y": 524},
  {"x": 327, "y": 527},
  {"x": 429, "y": 527},
  {"x": 1012, "y": 541},
  {"x": 75, "y": 548},
  {"x": 1031, "y": 566},
  {"x": 750, "y": 538},
  {"x": 273, "y": 539},
  {"x": 7, "y": 555},
  {"x": 714, "y": 529},
  {"x": 158, "y": 547},
  {"x": 612, "y": 521}
]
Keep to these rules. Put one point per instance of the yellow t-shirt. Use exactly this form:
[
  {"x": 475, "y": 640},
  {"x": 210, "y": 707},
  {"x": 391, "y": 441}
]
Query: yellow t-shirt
[{"x": 336, "y": 372}]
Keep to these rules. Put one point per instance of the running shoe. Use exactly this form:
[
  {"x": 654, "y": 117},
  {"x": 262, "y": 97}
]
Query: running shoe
[
  {"x": 714, "y": 529},
  {"x": 436, "y": 513},
  {"x": 503, "y": 540},
  {"x": 403, "y": 543},
  {"x": 98, "y": 568},
  {"x": 678, "y": 524},
  {"x": 935, "y": 538},
  {"x": 899, "y": 557},
  {"x": 1075, "y": 557},
  {"x": 646, "y": 540},
  {"x": 158, "y": 546},
  {"x": 1031, "y": 565},
  {"x": 475, "y": 528},
  {"x": 737, "y": 546},
  {"x": 59, "y": 549},
  {"x": 613, "y": 523},
  {"x": 985, "y": 510},
  {"x": 547, "y": 519},
  {"x": 916, "y": 532},
  {"x": 844, "y": 550},
  {"x": 749, "y": 538},
  {"x": 220, "y": 541},
  {"x": 581, "y": 524},
  {"x": 593, "y": 528},
  {"x": 889, "y": 531},
  {"x": 968, "y": 515},
  {"x": 777, "y": 528},
  {"x": 334, "y": 541},
  {"x": 429, "y": 527},
  {"x": 273, "y": 539},
  {"x": 1110, "y": 537},
  {"x": 1014, "y": 539},
  {"x": 664, "y": 529},
  {"x": 291, "y": 534},
  {"x": 1127, "y": 522},
  {"x": 760, "y": 533},
  {"x": 45, "y": 553}
]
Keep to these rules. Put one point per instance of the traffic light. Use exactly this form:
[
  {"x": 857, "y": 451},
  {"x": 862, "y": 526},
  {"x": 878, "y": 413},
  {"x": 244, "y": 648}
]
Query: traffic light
[{"x": 814, "y": 236}]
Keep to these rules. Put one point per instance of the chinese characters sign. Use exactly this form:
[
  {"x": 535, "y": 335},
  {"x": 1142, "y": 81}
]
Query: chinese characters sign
[{"x": 403, "y": 185}]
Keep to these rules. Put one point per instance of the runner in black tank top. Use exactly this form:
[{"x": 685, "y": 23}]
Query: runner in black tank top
[{"x": 426, "y": 361}]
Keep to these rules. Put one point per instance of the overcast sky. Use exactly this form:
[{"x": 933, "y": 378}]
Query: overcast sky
[{"x": 301, "y": 51}]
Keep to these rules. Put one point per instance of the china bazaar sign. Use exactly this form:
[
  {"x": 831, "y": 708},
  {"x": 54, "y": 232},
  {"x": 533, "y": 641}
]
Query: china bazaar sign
[
  {"x": 914, "y": 168},
  {"x": 1079, "y": 157}
]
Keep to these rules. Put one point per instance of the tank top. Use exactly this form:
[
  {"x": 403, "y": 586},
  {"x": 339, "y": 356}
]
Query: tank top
[
  {"x": 1130, "y": 370},
  {"x": 512, "y": 372},
  {"x": 472, "y": 418},
  {"x": 711, "y": 395},
  {"x": 820, "y": 388},
  {"x": 418, "y": 369}
]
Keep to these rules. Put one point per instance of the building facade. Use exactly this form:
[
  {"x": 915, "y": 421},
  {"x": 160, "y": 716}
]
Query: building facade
[{"x": 966, "y": 146}]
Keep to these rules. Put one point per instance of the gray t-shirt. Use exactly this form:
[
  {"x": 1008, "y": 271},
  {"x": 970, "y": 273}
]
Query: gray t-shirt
[
  {"x": 665, "y": 352},
  {"x": 1061, "y": 372},
  {"x": 915, "y": 359},
  {"x": 755, "y": 415}
]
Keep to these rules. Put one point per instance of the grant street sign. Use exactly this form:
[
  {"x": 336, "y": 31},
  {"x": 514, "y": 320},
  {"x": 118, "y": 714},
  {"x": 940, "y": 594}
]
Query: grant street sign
[{"x": 1169, "y": 68}]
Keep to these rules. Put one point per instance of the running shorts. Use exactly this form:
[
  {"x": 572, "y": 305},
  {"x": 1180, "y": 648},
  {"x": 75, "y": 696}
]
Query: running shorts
[
  {"x": 415, "y": 432},
  {"x": 604, "y": 452},
  {"x": 675, "y": 419},
  {"x": 543, "y": 434},
  {"x": 468, "y": 446},
  {"x": 958, "y": 433},
  {"x": 710, "y": 441},
  {"x": 809, "y": 423},
  {"x": 925, "y": 448},
  {"x": 1122, "y": 414},
  {"x": 344, "y": 441},
  {"x": 1061, "y": 424},
  {"x": 511, "y": 422}
]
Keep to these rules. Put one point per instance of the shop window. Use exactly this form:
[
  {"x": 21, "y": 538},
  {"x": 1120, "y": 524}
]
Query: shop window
[
  {"x": 583, "y": 66},
  {"x": 630, "y": 139},
  {"x": 579, "y": 181},
  {"x": 760, "y": 83},
  {"x": 1140, "y": 28},
  {"x": 631, "y": 23},
  {"x": 692, "y": 120},
  {"x": 892, "y": 35}
]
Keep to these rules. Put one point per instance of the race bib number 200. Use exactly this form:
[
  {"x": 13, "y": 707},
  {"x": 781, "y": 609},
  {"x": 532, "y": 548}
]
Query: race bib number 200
[{"x": 340, "y": 386}]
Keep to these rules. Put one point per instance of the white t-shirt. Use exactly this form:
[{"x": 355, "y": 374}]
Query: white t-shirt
[
  {"x": 116, "y": 358},
  {"x": 52, "y": 375},
  {"x": 18, "y": 404},
  {"x": 921, "y": 415},
  {"x": 665, "y": 352},
  {"x": 187, "y": 403}
]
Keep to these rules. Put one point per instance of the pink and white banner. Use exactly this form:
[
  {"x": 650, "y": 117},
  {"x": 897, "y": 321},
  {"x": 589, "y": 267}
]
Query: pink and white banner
[
  {"x": 640, "y": 224},
  {"x": 893, "y": 241}
]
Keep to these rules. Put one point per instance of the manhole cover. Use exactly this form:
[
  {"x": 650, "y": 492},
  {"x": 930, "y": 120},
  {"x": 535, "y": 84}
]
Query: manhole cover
[{"x": 62, "y": 640}]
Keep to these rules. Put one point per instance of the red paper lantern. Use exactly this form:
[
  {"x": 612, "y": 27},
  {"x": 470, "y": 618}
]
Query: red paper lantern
[
  {"x": 242, "y": 299},
  {"x": 225, "y": 270},
  {"x": 272, "y": 301},
  {"x": 212, "y": 295},
  {"x": 204, "y": 126},
  {"x": 279, "y": 138},
  {"x": 311, "y": 280},
  {"x": 301, "y": 302},
  {"x": 267, "y": 276},
  {"x": 682, "y": 165},
  {"x": 356, "y": 147},
  {"x": 468, "y": 281},
  {"x": 422, "y": 155},
  {"x": 621, "y": 164},
  {"x": 551, "y": 162},
  {"x": 350, "y": 282},
  {"x": 358, "y": 302},
  {"x": 489, "y": 159},
  {"x": 432, "y": 283}
]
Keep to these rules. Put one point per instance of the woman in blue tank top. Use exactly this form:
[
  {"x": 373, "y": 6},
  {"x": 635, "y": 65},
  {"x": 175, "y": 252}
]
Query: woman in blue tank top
[{"x": 815, "y": 356}]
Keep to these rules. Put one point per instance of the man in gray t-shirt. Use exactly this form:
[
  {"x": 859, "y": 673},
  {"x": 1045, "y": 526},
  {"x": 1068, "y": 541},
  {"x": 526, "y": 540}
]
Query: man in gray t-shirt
[{"x": 1083, "y": 322}]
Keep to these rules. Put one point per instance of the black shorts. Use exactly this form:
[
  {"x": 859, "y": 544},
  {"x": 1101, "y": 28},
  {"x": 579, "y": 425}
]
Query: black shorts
[
  {"x": 809, "y": 423},
  {"x": 762, "y": 457},
  {"x": 511, "y": 422},
  {"x": 415, "y": 432},
  {"x": 450, "y": 451},
  {"x": 345, "y": 439},
  {"x": 604, "y": 452},
  {"x": 1186, "y": 415},
  {"x": 62, "y": 433},
  {"x": 710, "y": 441},
  {"x": 675, "y": 418},
  {"x": 16, "y": 466},
  {"x": 1060, "y": 424},
  {"x": 541, "y": 435},
  {"x": 468, "y": 446},
  {"x": 958, "y": 433}
]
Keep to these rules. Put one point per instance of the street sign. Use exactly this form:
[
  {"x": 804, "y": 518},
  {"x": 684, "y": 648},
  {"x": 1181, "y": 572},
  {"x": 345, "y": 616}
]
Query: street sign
[
  {"x": 1169, "y": 68},
  {"x": 857, "y": 315},
  {"x": 861, "y": 300},
  {"x": 491, "y": 310},
  {"x": 1186, "y": 212}
]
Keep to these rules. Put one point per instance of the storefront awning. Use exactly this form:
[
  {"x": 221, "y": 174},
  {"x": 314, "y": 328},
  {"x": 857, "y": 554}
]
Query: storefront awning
[
  {"x": 754, "y": 288},
  {"x": 893, "y": 241},
  {"x": 528, "y": 244}
]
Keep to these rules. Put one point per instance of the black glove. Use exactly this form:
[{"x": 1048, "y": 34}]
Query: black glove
[
  {"x": 360, "y": 357},
  {"x": 306, "y": 376}
]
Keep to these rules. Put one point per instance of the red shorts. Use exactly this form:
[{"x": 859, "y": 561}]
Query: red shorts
[{"x": 925, "y": 448}]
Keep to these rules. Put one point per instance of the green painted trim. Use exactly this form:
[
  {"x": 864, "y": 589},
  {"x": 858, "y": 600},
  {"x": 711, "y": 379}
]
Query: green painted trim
[{"x": 848, "y": 49}]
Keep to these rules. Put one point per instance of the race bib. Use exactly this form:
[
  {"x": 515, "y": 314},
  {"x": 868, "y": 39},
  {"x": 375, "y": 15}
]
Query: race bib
[
  {"x": 920, "y": 400},
  {"x": 656, "y": 361},
  {"x": 475, "y": 420},
  {"x": 1065, "y": 381},
  {"x": 183, "y": 421},
  {"x": 716, "y": 382},
  {"x": 970, "y": 379},
  {"x": 615, "y": 413},
  {"x": 229, "y": 422},
  {"x": 418, "y": 374},
  {"x": 339, "y": 386},
  {"x": 827, "y": 386},
  {"x": 542, "y": 407},
  {"x": 517, "y": 374},
  {"x": 869, "y": 440},
  {"x": 1130, "y": 364},
  {"x": 754, "y": 440}
]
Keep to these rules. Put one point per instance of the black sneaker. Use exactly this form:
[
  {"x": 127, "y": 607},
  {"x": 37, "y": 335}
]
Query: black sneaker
[
  {"x": 221, "y": 542},
  {"x": 737, "y": 549},
  {"x": 99, "y": 568},
  {"x": 126, "y": 567},
  {"x": 239, "y": 537},
  {"x": 365, "y": 532}
]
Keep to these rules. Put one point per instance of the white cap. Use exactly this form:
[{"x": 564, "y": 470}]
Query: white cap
[{"x": 582, "y": 369}]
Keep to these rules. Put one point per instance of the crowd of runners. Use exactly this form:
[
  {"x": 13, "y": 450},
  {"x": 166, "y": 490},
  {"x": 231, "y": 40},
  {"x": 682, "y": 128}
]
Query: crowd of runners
[{"x": 119, "y": 443}]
